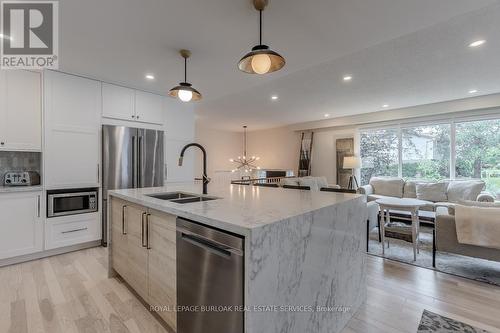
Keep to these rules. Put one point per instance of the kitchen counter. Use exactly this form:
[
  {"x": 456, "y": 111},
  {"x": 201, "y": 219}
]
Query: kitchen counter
[
  {"x": 15, "y": 189},
  {"x": 239, "y": 208},
  {"x": 303, "y": 250}
]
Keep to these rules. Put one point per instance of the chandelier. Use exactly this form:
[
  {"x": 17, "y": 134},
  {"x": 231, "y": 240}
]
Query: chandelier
[{"x": 245, "y": 163}]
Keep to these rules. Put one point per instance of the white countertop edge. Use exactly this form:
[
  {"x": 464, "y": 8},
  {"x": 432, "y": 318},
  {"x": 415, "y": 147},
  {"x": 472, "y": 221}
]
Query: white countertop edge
[
  {"x": 183, "y": 214},
  {"x": 17, "y": 189},
  {"x": 231, "y": 227}
]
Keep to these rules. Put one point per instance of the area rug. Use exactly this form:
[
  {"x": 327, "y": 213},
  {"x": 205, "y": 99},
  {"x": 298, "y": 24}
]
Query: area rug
[
  {"x": 467, "y": 267},
  {"x": 434, "y": 323}
]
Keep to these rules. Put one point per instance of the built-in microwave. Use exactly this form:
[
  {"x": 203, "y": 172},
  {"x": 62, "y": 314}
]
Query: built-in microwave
[{"x": 71, "y": 202}]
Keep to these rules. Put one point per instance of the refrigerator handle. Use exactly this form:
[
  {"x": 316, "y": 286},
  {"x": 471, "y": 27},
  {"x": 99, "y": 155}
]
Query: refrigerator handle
[
  {"x": 140, "y": 148},
  {"x": 134, "y": 159}
]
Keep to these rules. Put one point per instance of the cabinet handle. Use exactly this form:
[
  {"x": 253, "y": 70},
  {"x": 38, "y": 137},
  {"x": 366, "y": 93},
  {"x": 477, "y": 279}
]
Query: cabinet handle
[
  {"x": 38, "y": 206},
  {"x": 137, "y": 116},
  {"x": 75, "y": 230},
  {"x": 142, "y": 230},
  {"x": 133, "y": 116},
  {"x": 98, "y": 174},
  {"x": 147, "y": 232},
  {"x": 123, "y": 220},
  {"x": 2, "y": 143}
]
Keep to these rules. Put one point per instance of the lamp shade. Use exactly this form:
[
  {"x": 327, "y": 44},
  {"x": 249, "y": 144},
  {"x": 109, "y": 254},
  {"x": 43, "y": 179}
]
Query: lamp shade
[{"x": 352, "y": 162}]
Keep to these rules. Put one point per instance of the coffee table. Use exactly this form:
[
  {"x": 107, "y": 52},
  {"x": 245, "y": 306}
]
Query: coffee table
[{"x": 404, "y": 204}]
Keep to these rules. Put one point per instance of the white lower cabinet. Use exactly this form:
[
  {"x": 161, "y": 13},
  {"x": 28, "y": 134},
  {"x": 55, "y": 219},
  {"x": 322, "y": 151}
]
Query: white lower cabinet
[
  {"x": 71, "y": 230},
  {"x": 21, "y": 225}
]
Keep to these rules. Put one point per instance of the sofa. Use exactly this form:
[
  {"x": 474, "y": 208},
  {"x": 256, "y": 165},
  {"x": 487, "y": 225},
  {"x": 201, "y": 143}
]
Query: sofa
[
  {"x": 446, "y": 240},
  {"x": 314, "y": 183},
  {"x": 443, "y": 193}
]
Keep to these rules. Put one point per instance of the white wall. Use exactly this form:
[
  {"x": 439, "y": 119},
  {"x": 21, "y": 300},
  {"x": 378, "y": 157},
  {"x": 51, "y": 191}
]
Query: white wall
[
  {"x": 277, "y": 148},
  {"x": 179, "y": 130},
  {"x": 220, "y": 147},
  {"x": 324, "y": 157}
]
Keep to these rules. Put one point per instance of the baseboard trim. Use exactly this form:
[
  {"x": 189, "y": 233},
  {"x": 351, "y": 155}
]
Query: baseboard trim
[{"x": 48, "y": 253}]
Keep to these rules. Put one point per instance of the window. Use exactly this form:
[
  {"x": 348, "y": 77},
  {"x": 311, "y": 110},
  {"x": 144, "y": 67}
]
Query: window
[
  {"x": 379, "y": 153},
  {"x": 426, "y": 152},
  {"x": 478, "y": 152}
]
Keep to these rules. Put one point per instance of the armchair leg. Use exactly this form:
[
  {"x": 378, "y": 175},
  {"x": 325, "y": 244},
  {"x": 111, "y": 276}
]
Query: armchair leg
[
  {"x": 379, "y": 233},
  {"x": 367, "y": 235},
  {"x": 434, "y": 248}
]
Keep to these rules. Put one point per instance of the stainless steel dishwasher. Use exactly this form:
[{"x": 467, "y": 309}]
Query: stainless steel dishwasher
[{"x": 210, "y": 266}]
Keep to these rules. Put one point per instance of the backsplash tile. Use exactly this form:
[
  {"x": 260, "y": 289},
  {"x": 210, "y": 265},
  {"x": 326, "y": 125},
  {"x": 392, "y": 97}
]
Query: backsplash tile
[{"x": 19, "y": 161}]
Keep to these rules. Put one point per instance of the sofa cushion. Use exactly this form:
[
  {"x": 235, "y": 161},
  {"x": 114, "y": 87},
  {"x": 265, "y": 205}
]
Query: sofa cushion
[
  {"x": 410, "y": 189},
  {"x": 389, "y": 186},
  {"x": 311, "y": 182},
  {"x": 464, "y": 189},
  {"x": 373, "y": 197},
  {"x": 432, "y": 191},
  {"x": 322, "y": 182},
  {"x": 290, "y": 181},
  {"x": 473, "y": 203}
]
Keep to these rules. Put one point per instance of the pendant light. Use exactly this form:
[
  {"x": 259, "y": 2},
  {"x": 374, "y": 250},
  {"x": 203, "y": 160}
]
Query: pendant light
[
  {"x": 261, "y": 60},
  {"x": 184, "y": 91},
  {"x": 245, "y": 163}
]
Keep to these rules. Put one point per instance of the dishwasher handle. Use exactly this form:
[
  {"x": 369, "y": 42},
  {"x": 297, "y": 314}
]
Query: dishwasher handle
[{"x": 209, "y": 245}]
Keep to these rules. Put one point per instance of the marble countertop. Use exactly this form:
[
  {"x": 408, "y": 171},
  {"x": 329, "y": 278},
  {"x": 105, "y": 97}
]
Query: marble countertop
[
  {"x": 14, "y": 189},
  {"x": 240, "y": 208}
]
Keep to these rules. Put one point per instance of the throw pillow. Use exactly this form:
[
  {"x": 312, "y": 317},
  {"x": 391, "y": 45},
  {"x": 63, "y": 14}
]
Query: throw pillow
[
  {"x": 309, "y": 181},
  {"x": 464, "y": 190},
  {"x": 290, "y": 181},
  {"x": 321, "y": 182},
  {"x": 410, "y": 188},
  {"x": 388, "y": 186},
  {"x": 432, "y": 191}
]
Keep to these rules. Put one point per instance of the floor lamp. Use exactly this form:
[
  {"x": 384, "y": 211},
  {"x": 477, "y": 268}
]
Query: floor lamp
[{"x": 352, "y": 162}]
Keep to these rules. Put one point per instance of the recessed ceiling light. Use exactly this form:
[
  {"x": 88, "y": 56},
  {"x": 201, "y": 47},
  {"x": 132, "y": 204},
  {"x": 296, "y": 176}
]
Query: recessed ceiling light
[
  {"x": 385, "y": 105},
  {"x": 477, "y": 43},
  {"x": 472, "y": 91},
  {"x": 347, "y": 78},
  {"x": 274, "y": 97},
  {"x": 150, "y": 76},
  {"x": 327, "y": 115}
]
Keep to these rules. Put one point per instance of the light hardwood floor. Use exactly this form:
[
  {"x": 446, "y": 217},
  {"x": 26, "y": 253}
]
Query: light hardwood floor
[{"x": 71, "y": 293}]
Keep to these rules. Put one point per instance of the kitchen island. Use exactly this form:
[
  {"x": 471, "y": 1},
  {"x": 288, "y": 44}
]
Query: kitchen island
[{"x": 304, "y": 255}]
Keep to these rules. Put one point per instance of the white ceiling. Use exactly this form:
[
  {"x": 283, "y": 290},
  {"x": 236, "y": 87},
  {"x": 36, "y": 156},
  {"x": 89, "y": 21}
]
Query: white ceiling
[{"x": 399, "y": 52}]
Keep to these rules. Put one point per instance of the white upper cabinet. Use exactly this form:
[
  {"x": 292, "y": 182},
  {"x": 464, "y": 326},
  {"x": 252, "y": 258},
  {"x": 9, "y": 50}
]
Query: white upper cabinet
[
  {"x": 72, "y": 127},
  {"x": 131, "y": 105},
  {"x": 118, "y": 102},
  {"x": 20, "y": 110},
  {"x": 148, "y": 107}
]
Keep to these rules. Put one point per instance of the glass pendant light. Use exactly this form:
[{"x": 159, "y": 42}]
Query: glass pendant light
[
  {"x": 184, "y": 91},
  {"x": 261, "y": 60}
]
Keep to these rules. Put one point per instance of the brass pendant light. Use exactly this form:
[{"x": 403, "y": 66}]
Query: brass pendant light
[
  {"x": 261, "y": 60},
  {"x": 184, "y": 91}
]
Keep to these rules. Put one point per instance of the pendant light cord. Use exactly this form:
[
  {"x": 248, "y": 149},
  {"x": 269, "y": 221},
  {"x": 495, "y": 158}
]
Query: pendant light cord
[
  {"x": 260, "y": 27},
  {"x": 245, "y": 141},
  {"x": 185, "y": 69}
]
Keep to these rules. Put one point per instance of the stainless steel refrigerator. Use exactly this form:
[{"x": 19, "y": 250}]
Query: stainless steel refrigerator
[{"x": 131, "y": 158}]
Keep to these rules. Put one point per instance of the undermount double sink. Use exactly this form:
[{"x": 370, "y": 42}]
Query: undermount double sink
[{"x": 181, "y": 197}]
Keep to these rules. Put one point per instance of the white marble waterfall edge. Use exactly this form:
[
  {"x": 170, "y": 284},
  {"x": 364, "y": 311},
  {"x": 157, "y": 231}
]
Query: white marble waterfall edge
[{"x": 315, "y": 259}]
